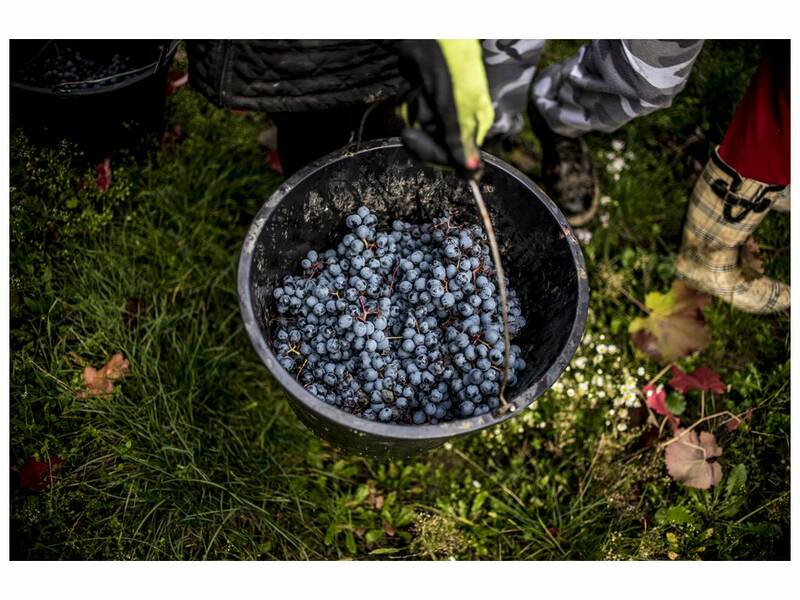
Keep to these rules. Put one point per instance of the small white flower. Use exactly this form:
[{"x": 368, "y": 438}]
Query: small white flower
[
  {"x": 622, "y": 426},
  {"x": 605, "y": 200},
  {"x": 640, "y": 371},
  {"x": 617, "y": 145},
  {"x": 580, "y": 362},
  {"x": 571, "y": 393},
  {"x": 584, "y": 235},
  {"x": 476, "y": 484}
]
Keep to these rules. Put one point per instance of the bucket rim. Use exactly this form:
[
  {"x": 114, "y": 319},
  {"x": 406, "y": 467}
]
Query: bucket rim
[
  {"x": 393, "y": 431},
  {"x": 70, "y": 89}
]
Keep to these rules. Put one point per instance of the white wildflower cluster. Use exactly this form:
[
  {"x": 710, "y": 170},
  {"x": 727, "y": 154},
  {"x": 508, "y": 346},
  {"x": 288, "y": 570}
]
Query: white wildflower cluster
[
  {"x": 596, "y": 377},
  {"x": 617, "y": 159}
]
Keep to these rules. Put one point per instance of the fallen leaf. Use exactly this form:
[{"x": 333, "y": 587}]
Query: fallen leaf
[
  {"x": 689, "y": 460},
  {"x": 389, "y": 530},
  {"x": 655, "y": 398},
  {"x": 734, "y": 422},
  {"x": 103, "y": 171},
  {"x": 174, "y": 134},
  {"x": 38, "y": 475},
  {"x": 176, "y": 80},
  {"x": 752, "y": 266},
  {"x": 675, "y": 326},
  {"x": 100, "y": 382},
  {"x": 274, "y": 161},
  {"x": 701, "y": 379}
]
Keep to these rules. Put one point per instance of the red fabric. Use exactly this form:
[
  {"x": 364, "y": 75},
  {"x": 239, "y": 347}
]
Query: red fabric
[{"x": 757, "y": 141}]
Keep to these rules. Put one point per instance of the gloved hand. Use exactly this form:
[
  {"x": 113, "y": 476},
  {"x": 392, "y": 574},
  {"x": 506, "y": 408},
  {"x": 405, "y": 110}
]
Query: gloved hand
[{"x": 450, "y": 109}]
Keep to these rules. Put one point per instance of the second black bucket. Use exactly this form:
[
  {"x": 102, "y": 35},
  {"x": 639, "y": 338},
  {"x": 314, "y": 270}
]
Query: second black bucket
[
  {"x": 540, "y": 253},
  {"x": 101, "y": 114}
]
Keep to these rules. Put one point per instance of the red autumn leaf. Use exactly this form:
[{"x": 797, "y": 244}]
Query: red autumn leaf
[
  {"x": 690, "y": 460},
  {"x": 103, "y": 171},
  {"x": 38, "y": 475},
  {"x": 174, "y": 134},
  {"x": 701, "y": 379},
  {"x": 734, "y": 422},
  {"x": 274, "y": 161},
  {"x": 675, "y": 326},
  {"x": 655, "y": 398},
  {"x": 100, "y": 382},
  {"x": 176, "y": 80}
]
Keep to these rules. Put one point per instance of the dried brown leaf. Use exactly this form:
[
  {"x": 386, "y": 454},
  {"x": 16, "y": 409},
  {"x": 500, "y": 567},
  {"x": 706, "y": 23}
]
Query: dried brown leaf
[
  {"x": 100, "y": 382},
  {"x": 690, "y": 459},
  {"x": 675, "y": 326}
]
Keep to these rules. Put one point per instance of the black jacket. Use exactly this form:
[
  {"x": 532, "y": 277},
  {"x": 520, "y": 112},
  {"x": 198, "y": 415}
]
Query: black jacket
[{"x": 293, "y": 75}]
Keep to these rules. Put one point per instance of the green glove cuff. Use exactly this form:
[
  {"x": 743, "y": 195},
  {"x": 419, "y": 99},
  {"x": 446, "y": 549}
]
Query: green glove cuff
[{"x": 470, "y": 90}]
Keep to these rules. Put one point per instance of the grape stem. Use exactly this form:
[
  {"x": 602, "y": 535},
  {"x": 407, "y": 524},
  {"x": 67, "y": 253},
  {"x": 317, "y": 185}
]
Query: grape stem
[{"x": 501, "y": 284}]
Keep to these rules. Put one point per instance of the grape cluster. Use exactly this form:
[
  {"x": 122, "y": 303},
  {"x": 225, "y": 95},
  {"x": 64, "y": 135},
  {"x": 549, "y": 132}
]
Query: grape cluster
[
  {"x": 69, "y": 65},
  {"x": 402, "y": 326}
]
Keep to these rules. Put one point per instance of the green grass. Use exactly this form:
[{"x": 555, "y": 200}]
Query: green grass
[{"x": 197, "y": 455}]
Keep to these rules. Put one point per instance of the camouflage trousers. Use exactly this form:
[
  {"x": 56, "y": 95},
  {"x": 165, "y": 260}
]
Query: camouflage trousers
[{"x": 602, "y": 87}]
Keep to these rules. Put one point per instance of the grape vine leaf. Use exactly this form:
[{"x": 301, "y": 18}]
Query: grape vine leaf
[
  {"x": 103, "y": 172},
  {"x": 655, "y": 398},
  {"x": 100, "y": 382},
  {"x": 176, "y": 79},
  {"x": 675, "y": 326},
  {"x": 38, "y": 475},
  {"x": 701, "y": 379},
  {"x": 732, "y": 423},
  {"x": 690, "y": 459}
]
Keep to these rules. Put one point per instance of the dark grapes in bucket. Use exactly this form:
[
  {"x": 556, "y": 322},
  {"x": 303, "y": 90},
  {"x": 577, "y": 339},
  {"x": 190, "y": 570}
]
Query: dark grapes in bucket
[{"x": 401, "y": 326}]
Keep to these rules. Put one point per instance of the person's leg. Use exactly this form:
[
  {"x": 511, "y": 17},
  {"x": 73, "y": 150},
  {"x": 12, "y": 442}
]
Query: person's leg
[
  {"x": 510, "y": 66},
  {"x": 744, "y": 179},
  {"x": 605, "y": 85},
  {"x": 610, "y": 82}
]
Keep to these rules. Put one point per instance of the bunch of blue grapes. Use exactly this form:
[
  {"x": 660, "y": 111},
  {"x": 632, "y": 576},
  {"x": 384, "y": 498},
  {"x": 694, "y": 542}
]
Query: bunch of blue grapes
[
  {"x": 401, "y": 326},
  {"x": 69, "y": 65}
]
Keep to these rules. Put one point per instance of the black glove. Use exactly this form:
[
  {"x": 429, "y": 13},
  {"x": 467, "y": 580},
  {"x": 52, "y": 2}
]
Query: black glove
[{"x": 450, "y": 109}]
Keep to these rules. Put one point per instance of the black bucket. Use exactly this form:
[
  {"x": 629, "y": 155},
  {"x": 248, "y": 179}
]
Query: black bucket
[
  {"x": 99, "y": 113},
  {"x": 541, "y": 256}
]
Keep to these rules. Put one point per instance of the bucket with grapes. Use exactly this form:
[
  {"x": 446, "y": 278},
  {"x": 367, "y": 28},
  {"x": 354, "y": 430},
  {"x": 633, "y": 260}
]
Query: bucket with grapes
[
  {"x": 368, "y": 289},
  {"x": 99, "y": 93}
]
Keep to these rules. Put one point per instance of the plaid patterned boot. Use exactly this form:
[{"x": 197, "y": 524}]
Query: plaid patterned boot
[{"x": 724, "y": 210}]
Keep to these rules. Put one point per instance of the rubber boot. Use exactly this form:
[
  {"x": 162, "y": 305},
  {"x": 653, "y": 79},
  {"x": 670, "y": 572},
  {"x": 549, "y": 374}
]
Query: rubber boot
[{"x": 724, "y": 210}]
